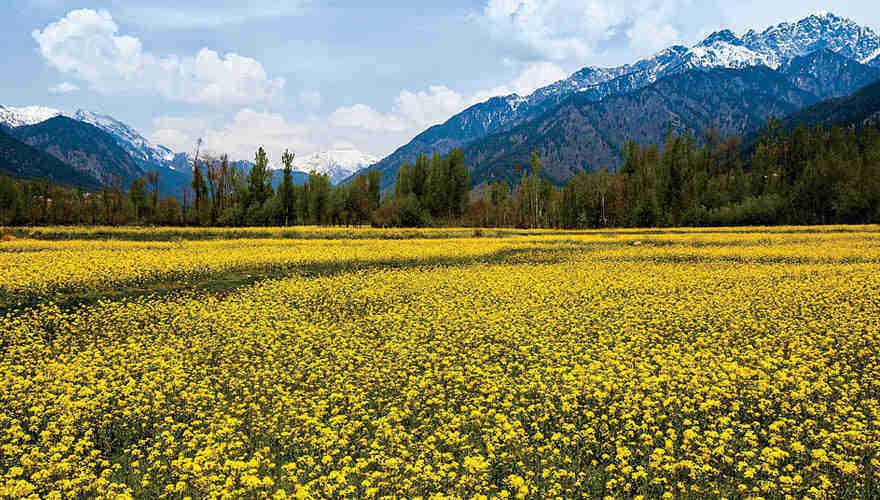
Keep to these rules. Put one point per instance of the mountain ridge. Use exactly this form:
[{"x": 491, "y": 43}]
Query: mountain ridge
[
  {"x": 87, "y": 148},
  {"x": 772, "y": 47},
  {"x": 575, "y": 136}
]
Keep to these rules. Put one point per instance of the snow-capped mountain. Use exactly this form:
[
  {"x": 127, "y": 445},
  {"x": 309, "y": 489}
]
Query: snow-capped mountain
[
  {"x": 27, "y": 115},
  {"x": 144, "y": 152},
  {"x": 820, "y": 31},
  {"x": 139, "y": 147},
  {"x": 772, "y": 47},
  {"x": 339, "y": 164}
]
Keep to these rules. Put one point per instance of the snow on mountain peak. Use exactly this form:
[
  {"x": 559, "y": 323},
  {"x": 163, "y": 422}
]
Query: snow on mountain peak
[
  {"x": 725, "y": 50},
  {"x": 138, "y": 146},
  {"x": 26, "y": 115},
  {"x": 823, "y": 30},
  {"x": 723, "y": 36},
  {"x": 339, "y": 164}
]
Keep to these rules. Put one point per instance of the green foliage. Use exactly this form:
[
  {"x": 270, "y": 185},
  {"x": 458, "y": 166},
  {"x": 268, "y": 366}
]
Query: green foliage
[
  {"x": 803, "y": 176},
  {"x": 287, "y": 191},
  {"x": 259, "y": 183}
]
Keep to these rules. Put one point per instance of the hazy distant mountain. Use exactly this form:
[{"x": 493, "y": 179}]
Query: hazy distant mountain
[
  {"x": 339, "y": 164},
  {"x": 808, "y": 51}
]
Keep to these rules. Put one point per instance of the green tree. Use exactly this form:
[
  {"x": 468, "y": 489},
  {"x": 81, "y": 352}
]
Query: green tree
[
  {"x": 287, "y": 190},
  {"x": 259, "y": 181},
  {"x": 374, "y": 181},
  {"x": 140, "y": 202},
  {"x": 457, "y": 184},
  {"x": 200, "y": 191}
]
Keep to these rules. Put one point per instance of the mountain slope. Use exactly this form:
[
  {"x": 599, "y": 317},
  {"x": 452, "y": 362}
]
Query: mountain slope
[
  {"x": 860, "y": 108},
  {"x": 828, "y": 74},
  {"x": 85, "y": 147},
  {"x": 18, "y": 159},
  {"x": 583, "y": 134},
  {"x": 773, "y": 47},
  {"x": 28, "y": 115},
  {"x": 141, "y": 149}
]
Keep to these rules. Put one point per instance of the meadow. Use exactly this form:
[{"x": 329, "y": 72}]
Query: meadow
[{"x": 441, "y": 363}]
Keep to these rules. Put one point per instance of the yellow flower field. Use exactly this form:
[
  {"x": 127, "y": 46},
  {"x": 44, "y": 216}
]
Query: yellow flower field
[{"x": 679, "y": 364}]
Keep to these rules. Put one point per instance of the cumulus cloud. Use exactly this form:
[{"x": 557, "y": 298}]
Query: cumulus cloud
[
  {"x": 250, "y": 129},
  {"x": 532, "y": 77},
  {"x": 414, "y": 111},
  {"x": 238, "y": 137},
  {"x": 411, "y": 111},
  {"x": 86, "y": 44},
  {"x": 575, "y": 30},
  {"x": 63, "y": 88},
  {"x": 358, "y": 126}
]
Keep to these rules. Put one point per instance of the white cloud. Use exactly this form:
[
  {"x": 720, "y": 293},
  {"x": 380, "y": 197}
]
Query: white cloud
[
  {"x": 86, "y": 44},
  {"x": 552, "y": 29},
  {"x": 63, "y": 88},
  {"x": 576, "y": 30},
  {"x": 176, "y": 139},
  {"x": 361, "y": 116},
  {"x": 533, "y": 77},
  {"x": 413, "y": 111},
  {"x": 358, "y": 126},
  {"x": 238, "y": 137},
  {"x": 429, "y": 107},
  {"x": 311, "y": 98},
  {"x": 250, "y": 129}
]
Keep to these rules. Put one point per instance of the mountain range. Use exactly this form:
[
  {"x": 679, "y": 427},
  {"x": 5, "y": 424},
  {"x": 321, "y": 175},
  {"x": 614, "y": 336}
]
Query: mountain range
[
  {"x": 17, "y": 159},
  {"x": 859, "y": 109},
  {"x": 727, "y": 82},
  {"x": 339, "y": 164},
  {"x": 102, "y": 149},
  {"x": 785, "y": 67}
]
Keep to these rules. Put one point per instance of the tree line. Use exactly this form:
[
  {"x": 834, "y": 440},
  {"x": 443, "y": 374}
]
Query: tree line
[
  {"x": 803, "y": 176},
  {"x": 220, "y": 193}
]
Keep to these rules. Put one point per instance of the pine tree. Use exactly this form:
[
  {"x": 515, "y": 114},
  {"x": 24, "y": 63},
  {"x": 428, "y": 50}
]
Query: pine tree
[
  {"x": 374, "y": 182},
  {"x": 259, "y": 180},
  {"x": 286, "y": 190},
  {"x": 458, "y": 183},
  {"x": 200, "y": 190}
]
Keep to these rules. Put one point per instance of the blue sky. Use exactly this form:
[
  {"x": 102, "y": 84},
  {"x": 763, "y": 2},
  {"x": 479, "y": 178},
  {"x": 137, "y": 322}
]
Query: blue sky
[{"x": 317, "y": 74}]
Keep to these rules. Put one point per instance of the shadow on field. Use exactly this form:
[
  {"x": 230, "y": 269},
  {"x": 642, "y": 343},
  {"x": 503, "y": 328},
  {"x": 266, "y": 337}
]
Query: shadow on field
[{"x": 219, "y": 282}]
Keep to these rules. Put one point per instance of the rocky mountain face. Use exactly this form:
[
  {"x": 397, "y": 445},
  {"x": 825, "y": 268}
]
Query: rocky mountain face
[
  {"x": 859, "y": 109},
  {"x": 133, "y": 156},
  {"x": 18, "y": 159},
  {"x": 141, "y": 149},
  {"x": 86, "y": 148},
  {"x": 827, "y": 74},
  {"x": 824, "y": 55},
  {"x": 584, "y": 135}
]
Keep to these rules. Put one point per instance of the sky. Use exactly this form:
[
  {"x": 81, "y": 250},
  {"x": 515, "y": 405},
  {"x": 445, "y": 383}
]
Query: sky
[{"x": 315, "y": 75}]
